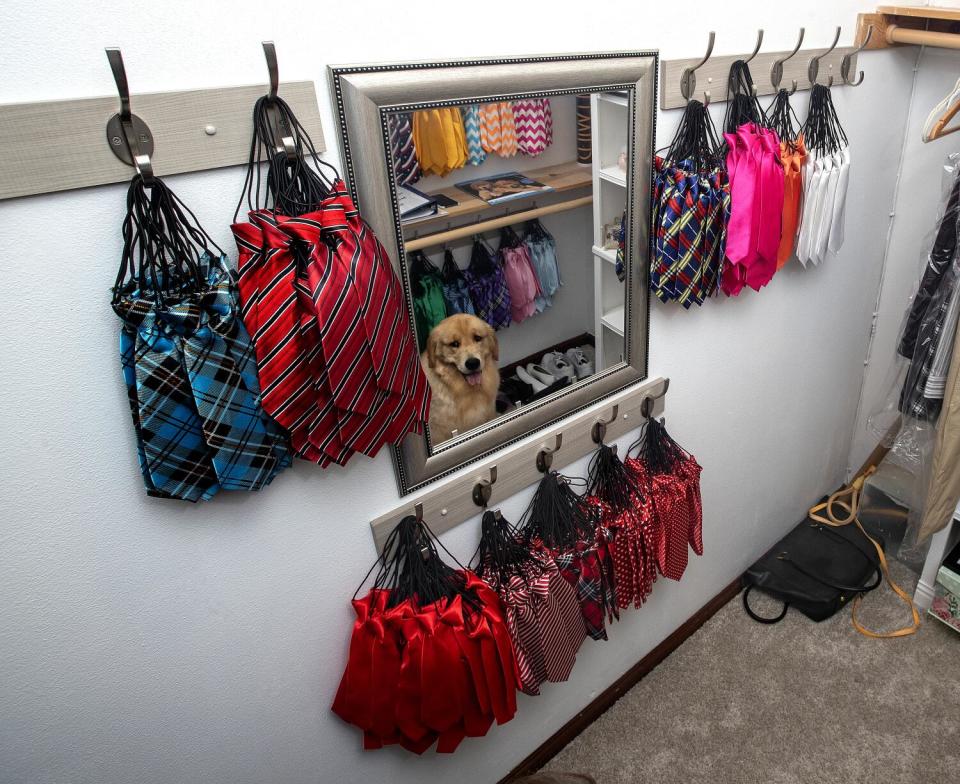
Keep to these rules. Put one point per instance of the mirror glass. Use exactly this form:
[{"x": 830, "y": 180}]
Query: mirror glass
[{"x": 512, "y": 218}]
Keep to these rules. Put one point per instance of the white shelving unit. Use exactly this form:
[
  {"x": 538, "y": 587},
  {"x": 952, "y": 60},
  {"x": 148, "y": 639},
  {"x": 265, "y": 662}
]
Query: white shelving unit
[{"x": 608, "y": 128}]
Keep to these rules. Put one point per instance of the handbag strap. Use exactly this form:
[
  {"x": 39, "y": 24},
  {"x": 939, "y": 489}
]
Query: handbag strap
[
  {"x": 848, "y": 499},
  {"x": 760, "y": 618}
]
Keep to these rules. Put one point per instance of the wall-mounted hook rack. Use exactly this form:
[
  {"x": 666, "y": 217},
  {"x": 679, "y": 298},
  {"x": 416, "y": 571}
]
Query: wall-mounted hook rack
[
  {"x": 776, "y": 70},
  {"x": 129, "y": 136},
  {"x": 712, "y": 72},
  {"x": 451, "y": 501}
]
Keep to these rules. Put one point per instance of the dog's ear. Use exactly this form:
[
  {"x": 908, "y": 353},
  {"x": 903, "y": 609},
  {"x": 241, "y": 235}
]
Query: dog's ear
[
  {"x": 431, "y": 351},
  {"x": 492, "y": 336}
]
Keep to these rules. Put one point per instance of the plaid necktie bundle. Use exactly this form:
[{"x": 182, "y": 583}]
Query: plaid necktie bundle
[
  {"x": 186, "y": 359},
  {"x": 488, "y": 286},
  {"x": 339, "y": 369},
  {"x": 456, "y": 293},
  {"x": 691, "y": 207}
]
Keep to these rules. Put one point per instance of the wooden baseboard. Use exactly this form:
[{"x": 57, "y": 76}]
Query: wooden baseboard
[{"x": 552, "y": 745}]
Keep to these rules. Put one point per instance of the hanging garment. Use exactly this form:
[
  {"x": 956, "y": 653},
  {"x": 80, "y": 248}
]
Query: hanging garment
[
  {"x": 456, "y": 293},
  {"x": 540, "y": 606},
  {"x": 406, "y": 167},
  {"x": 792, "y": 158},
  {"x": 440, "y": 140},
  {"x": 185, "y": 358},
  {"x": 520, "y": 277},
  {"x": 621, "y": 264},
  {"x": 429, "y": 308},
  {"x": 488, "y": 286},
  {"x": 543, "y": 255},
  {"x": 471, "y": 129},
  {"x": 534, "y": 125},
  {"x": 431, "y": 658},
  {"x": 498, "y": 132}
]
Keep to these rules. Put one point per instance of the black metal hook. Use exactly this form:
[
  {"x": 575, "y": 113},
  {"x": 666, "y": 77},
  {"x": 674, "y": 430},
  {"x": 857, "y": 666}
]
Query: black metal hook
[
  {"x": 649, "y": 402},
  {"x": 776, "y": 70},
  {"x": 688, "y": 80},
  {"x": 814, "y": 68},
  {"x": 847, "y": 60},
  {"x": 483, "y": 489},
  {"x": 599, "y": 430},
  {"x": 545, "y": 455},
  {"x": 128, "y": 136}
]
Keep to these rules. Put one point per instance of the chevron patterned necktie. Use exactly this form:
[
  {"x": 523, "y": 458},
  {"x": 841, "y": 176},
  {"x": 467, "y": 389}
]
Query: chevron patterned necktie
[
  {"x": 534, "y": 125},
  {"x": 508, "y": 130},
  {"x": 405, "y": 165},
  {"x": 471, "y": 126}
]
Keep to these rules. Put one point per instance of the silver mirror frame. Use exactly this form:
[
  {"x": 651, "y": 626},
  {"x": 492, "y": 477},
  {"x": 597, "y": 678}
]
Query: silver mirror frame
[{"x": 364, "y": 96}]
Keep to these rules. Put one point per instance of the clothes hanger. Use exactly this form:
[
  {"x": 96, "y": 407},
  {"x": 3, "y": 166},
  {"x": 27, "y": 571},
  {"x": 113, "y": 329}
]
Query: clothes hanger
[{"x": 936, "y": 125}]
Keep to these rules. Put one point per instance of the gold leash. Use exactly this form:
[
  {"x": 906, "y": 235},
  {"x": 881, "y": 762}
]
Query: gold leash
[{"x": 851, "y": 508}]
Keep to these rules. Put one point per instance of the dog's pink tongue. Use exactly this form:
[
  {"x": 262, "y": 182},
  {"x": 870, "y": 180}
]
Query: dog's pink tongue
[{"x": 473, "y": 378}]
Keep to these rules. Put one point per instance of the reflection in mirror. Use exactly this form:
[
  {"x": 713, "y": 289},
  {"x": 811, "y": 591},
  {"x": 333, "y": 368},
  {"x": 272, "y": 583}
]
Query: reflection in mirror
[{"x": 512, "y": 216}]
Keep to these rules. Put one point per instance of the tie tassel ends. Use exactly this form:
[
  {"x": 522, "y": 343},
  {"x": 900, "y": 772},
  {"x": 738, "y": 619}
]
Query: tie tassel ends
[{"x": 186, "y": 359}]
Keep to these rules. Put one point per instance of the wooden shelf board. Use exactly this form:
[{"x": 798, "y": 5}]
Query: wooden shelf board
[
  {"x": 921, "y": 12},
  {"x": 561, "y": 177}
]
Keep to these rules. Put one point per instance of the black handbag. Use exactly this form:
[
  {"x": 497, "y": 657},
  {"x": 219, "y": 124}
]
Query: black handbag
[
  {"x": 814, "y": 568},
  {"x": 825, "y": 562}
]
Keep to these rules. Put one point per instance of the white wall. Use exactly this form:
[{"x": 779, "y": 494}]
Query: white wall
[
  {"x": 911, "y": 229},
  {"x": 143, "y": 641}
]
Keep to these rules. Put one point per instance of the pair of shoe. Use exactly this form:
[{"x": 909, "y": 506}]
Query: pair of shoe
[{"x": 576, "y": 363}]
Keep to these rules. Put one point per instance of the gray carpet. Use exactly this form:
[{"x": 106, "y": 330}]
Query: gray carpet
[{"x": 795, "y": 703}]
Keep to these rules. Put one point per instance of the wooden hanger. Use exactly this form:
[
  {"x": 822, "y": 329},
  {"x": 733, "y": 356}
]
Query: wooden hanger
[{"x": 936, "y": 124}]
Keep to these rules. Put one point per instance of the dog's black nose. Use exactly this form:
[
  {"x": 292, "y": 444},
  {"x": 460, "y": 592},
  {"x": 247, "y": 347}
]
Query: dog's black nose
[{"x": 472, "y": 364}]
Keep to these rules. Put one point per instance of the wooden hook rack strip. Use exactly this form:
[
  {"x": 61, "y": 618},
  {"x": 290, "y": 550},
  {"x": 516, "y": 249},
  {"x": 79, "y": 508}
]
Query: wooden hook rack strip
[
  {"x": 440, "y": 237},
  {"x": 52, "y": 146},
  {"x": 712, "y": 75},
  {"x": 451, "y": 501}
]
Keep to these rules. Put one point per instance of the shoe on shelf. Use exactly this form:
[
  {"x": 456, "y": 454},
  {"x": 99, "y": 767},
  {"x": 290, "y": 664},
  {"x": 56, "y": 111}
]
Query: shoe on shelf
[
  {"x": 558, "y": 365},
  {"x": 540, "y": 373},
  {"x": 580, "y": 361},
  {"x": 528, "y": 378},
  {"x": 517, "y": 391}
]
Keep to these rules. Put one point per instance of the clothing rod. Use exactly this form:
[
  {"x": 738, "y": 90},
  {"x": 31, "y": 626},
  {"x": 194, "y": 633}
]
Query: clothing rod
[
  {"x": 904, "y": 35},
  {"x": 430, "y": 240}
]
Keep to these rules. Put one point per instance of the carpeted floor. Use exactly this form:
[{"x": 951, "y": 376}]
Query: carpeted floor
[{"x": 795, "y": 703}]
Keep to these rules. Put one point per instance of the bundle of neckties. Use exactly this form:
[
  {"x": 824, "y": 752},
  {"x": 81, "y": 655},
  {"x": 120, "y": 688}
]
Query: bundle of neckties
[
  {"x": 793, "y": 155},
  {"x": 540, "y": 606},
  {"x": 431, "y": 658},
  {"x": 338, "y": 368},
  {"x": 668, "y": 477},
  {"x": 564, "y": 526},
  {"x": 626, "y": 523},
  {"x": 691, "y": 206},
  {"x": 825, "y": 179},
  {"x": 186, "y": 357},
  {"x": 756, "y": 188}
]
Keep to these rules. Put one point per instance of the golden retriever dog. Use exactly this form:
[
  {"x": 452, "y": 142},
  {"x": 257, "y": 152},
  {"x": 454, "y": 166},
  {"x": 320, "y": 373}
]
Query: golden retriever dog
[{"x": 460, "y": 361}]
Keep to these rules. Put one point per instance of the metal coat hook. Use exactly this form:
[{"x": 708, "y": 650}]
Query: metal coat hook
[
  {"x": 545, "y": 455},
  {"x": 282, "y": 129},
  {"x": 599, "y": 430},
  {"x": 483, "y": 489},
  {"x": 776, "y": 70},
  {"x": 418, "y": 512},
  {"x": 757, "y": 47},
  {"x": 814, "y": 68},
  {"x": 847, "y": 60},
  {"x": 647, "y": 406},
  {"x": 688, "y": 80},
  {"x": 128, "y": 136}
]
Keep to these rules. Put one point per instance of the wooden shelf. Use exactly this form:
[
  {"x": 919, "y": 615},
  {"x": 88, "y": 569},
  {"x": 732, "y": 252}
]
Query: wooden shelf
[
  {"x": 899, "y": 25},
  {"x": 561, "y": 177}
]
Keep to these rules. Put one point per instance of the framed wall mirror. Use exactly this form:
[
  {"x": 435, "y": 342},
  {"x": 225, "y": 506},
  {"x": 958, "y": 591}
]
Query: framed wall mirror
[{"x": 513, "y": 198}]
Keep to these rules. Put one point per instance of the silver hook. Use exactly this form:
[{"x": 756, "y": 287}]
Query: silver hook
[
  {"x": 483, "y": 489},
  {"x": 688, "y": 80},
  {"x": 128, "y": 136},
  {"x": 270, "y": 52},
  {"x": 545, "y": 455},
  {"x": 418, "y": 512},
  {"x": 814, "y": 68},
  {"x": 757, "y": 47},
  {"x": 599, "y": 430},
  {"x": 776, "y": 70},
  {"x": 847, "y": 60},
  {"x": 282, "y": 131},
  {"x": 706, "y": 98},
  {"x": 646, "y": 407}
]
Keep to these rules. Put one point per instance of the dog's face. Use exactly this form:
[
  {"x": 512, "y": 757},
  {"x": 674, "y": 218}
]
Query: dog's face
[{"x": 464, "y": 343}]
